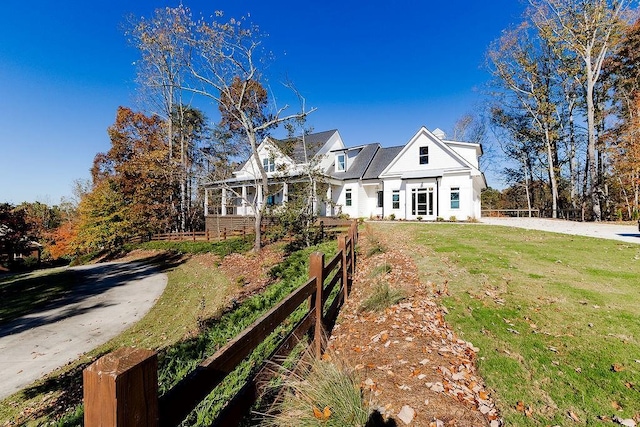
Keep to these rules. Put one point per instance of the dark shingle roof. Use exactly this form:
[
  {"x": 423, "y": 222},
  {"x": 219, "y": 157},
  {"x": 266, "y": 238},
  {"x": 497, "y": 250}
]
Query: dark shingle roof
[
  {"x": 382, "y": 159},
  {"x": 293, "y": 147},
  {"x": 357, "y": 169}
]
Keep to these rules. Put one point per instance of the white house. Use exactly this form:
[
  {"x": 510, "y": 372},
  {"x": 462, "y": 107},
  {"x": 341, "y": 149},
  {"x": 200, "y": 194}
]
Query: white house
[{"x": 429, "y": 177}]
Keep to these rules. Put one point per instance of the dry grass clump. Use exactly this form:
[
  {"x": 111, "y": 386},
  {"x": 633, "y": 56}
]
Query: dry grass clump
[
  {"x": 382, "y": 296},
  {"x": 323, "y": 393}
]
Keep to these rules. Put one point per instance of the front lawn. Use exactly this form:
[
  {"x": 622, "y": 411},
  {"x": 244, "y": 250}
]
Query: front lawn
[{"x": 556, "y": 317}]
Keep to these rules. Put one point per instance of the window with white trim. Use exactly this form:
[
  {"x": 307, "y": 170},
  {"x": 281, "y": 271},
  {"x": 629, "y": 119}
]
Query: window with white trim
[
  {"x": 380, "y": 199},
  {"x": 424, "y": 155},
  {"x": 455, "y": 197},
  {"x": 347, "y": 197},
  {"x": 341, "y": 162},
  {"x": 269, "y": 164},
  {"x": 395, "y": 199}
]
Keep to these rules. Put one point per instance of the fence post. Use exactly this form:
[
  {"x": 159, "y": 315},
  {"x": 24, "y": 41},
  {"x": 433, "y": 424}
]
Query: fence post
[
  {"x": 121, "y": 389},
  {"x": 224, "y": 234},
  {"x": 352, "y": 264},
  {"x": 194, "y": 235},
  {"x": 316, "y": 269},
  {"x": 342, "y": 246},
  {"x": 206, "y": 234}
]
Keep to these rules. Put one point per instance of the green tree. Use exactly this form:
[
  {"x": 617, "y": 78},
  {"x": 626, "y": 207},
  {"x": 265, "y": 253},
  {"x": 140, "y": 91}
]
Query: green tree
[{"x": 103, "y": 217}]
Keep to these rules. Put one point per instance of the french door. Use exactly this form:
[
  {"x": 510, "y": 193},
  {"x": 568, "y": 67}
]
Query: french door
[{"x": 422, "y": 201}]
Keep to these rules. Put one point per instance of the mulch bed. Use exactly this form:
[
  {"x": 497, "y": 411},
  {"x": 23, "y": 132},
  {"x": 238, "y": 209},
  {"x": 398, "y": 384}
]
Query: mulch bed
[{"x": 414, "y": 367}]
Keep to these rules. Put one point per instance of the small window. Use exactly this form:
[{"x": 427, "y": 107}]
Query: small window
[
  {"x": 269, "y": 164},
  {"x": 455, "y": 197},
  {"x": 424, "y": 155},
  {"x": 380, "y": 199},
  {"x": 347, "y": 197},
  {"x": 341, "y": 162},
  {"x": 395, "y": 200}
]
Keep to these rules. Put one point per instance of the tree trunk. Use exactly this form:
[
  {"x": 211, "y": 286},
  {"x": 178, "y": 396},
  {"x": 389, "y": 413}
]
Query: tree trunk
[
  {"x": 573, "y": 161},
  {"x": 552, "y": 175},
  {"x": 594, "y": 189}
]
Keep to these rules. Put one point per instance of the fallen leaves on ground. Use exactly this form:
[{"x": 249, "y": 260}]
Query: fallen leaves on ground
[{"x": 413, "y": 365}]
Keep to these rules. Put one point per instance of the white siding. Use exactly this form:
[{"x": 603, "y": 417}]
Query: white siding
[
  {"x": 466, "y": 190},
  {"x": 466, "y": 151},
  {"x": 408, "y": 160}
]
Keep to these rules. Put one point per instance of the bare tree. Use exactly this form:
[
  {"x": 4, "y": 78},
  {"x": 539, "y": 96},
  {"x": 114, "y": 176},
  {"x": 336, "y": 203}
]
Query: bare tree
[
  {"x": 587, "y": 29},
  {"x": 227, "y": 64},
  {"x": 525, "y": 66},
  {"x": 161, "y": 75}
]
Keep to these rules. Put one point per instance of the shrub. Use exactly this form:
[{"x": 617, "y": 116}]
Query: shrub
[
  {"x": 392, "y": 217},
  {"x": 453, "y": 218},
  {"x": 419, "y": 218}
]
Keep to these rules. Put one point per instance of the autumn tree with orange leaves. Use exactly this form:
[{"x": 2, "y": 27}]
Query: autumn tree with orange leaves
[
  {"x": 623, "y": 69},
  {"x": 131, "y": 189}
]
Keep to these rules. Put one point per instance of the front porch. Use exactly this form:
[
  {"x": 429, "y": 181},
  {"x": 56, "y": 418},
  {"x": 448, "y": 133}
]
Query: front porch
[{"x": 240, "y": 199}]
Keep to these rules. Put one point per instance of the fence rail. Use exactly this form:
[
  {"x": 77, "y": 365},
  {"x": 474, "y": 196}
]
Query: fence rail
[
  {"x": 121, "y": 388},
  {"x": 240, "y": 229},
  {"x": 511, "y": 212}
]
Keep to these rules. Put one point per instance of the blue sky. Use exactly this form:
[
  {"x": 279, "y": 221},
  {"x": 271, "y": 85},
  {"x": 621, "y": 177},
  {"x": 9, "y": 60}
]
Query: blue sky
[{"x": 375, "y": 70}]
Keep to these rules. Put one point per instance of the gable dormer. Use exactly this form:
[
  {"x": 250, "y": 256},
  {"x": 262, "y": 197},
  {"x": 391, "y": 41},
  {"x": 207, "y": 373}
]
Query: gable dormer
[
  {"x": 341, "y": 161},
  {"x": 425, "y": 151},
  {"x": 346, "y": 158}
]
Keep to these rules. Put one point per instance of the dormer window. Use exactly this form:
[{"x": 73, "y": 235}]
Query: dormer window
[
  {"x": 424, "y": 155},
  {"x": 341, "y": 162},
  {"x": 269, "y": 164}
]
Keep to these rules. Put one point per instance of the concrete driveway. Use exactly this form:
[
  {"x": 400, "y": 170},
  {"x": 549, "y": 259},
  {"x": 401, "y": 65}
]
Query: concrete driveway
[
  {"x": 110, "y": 297},
  {"x": 604, "y": 230}
]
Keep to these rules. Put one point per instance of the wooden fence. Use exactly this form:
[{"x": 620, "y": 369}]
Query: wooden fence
[
  {"x": 324, "y": 224},
  {"x": 121, "y": 388},
  {"x": 511, "y": 213}
]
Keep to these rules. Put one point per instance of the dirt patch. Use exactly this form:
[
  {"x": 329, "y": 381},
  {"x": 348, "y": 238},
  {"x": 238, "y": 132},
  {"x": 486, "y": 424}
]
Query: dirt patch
[
  {"x": 250, "y": 270},
  {"x": 417, "y": 370}
]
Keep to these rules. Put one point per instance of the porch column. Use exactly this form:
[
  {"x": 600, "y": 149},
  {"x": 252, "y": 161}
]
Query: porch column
[
  {"x": 315, "y": 197},
  {"x": 223, "y": 208},
  {"x": 259, "y": 200},
  {"x": 244, "y": 200},
  {"x": 330, "y": 201},
  {"x": 206, "y": 202},
  {"x": 285, "y": 193}
]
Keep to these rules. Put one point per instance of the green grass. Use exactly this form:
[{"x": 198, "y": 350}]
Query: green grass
[
  {"x": 181, "y": 359},
  {"x": 221, "y": 248},
  {"x": 551, "y": 314}
]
